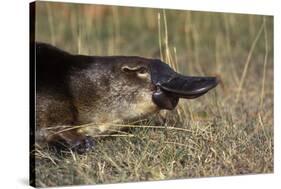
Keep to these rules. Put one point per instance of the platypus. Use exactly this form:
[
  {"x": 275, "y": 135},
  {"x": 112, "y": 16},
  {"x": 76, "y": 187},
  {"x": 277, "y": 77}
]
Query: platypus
[{"x": 98, "y": 91}]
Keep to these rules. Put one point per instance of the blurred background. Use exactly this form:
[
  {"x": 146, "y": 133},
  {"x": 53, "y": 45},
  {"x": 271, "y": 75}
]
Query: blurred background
[{"x": 230, "y": 130}]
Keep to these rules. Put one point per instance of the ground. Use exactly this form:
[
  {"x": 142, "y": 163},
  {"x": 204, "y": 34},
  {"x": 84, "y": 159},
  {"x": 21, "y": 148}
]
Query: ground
[{"x": 228, "y": 131}]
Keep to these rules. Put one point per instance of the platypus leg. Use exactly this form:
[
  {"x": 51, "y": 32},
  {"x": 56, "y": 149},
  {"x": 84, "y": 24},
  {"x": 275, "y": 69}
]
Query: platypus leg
[{"x": 72, "y": 140}]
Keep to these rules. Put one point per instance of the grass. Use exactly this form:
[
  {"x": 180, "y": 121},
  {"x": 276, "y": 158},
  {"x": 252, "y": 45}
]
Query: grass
[{"x": 228, "y": 131}]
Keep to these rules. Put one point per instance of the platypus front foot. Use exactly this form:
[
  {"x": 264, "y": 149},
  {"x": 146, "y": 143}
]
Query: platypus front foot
[
  {"x": 83, "y": 145},
  {"x": 72, "y": 140}
]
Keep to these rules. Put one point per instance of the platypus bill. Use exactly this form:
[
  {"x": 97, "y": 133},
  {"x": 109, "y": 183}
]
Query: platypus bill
[{"x": 76, "y": 90}]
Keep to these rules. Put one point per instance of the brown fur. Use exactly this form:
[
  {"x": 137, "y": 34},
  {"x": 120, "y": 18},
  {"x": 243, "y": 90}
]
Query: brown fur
[{"x": 75, "y": 90}]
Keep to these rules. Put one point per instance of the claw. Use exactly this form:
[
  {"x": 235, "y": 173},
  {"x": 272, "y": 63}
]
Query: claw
[{"x": 83, "y": 145}]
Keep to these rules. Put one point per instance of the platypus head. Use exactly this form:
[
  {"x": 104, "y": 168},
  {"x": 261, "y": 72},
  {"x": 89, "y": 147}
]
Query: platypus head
[{"x": 164, "y": 85}]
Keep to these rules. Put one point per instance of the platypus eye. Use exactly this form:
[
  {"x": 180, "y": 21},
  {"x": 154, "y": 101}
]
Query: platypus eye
[
  {"x": 140, "y": 71},
  {"x": 135, "y": 69}
]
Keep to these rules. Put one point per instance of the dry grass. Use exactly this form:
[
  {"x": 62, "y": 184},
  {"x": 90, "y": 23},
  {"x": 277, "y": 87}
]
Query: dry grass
[{"x": 228, "y": 131}]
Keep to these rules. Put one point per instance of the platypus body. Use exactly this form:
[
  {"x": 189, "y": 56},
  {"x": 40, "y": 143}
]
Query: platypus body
[{"x": 76, "y": 90}]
